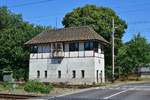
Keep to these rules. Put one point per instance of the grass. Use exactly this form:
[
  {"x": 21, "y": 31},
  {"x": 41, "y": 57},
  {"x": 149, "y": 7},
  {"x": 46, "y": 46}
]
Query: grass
[{"x": 1, "y": 87}]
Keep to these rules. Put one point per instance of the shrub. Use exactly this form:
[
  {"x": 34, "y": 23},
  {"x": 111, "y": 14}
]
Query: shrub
[
  {"x": 7, "y": 85},
  {"x": 35, "y": 86}
]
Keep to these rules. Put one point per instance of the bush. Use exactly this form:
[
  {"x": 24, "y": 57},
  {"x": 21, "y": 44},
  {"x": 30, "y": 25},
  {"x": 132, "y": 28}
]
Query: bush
[
  {"x": 35, "y": 86},
  {"x": 7, "y": 85}
]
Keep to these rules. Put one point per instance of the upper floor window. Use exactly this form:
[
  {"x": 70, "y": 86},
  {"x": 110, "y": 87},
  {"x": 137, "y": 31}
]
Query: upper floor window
[
  {"x": 95, "y": 46},
  {"x": 40, "y": 49},
  {"x": 46, "y": 48},
  {"x": 74, "y": 46},
  {"x": 88, "y": 45},
  {"x": 57, "y": 47},
  {"x": 34, "y": 49}
]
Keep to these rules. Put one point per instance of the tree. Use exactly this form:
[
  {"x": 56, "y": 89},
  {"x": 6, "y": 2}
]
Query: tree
[
  {"x": 14, "y": 32},
  {"x": 100, "y": 19},
  {"x": 133, "y": 55},
  {"x": 124, "y": 61}
]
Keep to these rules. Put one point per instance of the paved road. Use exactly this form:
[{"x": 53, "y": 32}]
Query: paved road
[{"x": 124, "y": 92}]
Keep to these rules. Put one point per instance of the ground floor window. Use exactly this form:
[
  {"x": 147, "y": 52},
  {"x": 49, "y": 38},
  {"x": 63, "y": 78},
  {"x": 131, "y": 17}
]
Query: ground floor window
[
  {"x": 82, "y": 73},
  {"x": 97, "y": 71},
  {"x": 73, "y": 74},
  {"x": 59, "y": 74},
  {"x": 38, "y": 74},
  {"x": 45, "y": 74}
]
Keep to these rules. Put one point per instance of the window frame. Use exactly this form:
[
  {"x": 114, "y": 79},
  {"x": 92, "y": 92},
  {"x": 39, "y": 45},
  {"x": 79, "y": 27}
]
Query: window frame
[
  {"x": 74, "y": 46},
  {"x": 34, "y": 49},
  {"x": 73, "y": 74},
  {"x": 45, "y": 73},
  {"x": 46, "y": 48},
  {"x": 88, "y": 45},
  {"x": 59, "y": 74},
  {"x": 95, "y": 46},
  {"x": 82, "y": 73},
  {"x": 38, "y": 73}
]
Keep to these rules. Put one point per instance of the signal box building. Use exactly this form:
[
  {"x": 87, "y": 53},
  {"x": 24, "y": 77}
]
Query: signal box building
[{"x": 69, "y": 55}]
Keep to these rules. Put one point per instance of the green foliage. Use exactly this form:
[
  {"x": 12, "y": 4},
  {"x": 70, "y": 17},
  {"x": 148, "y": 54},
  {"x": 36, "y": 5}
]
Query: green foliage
[
  {"x": 108, "y": 73},
  {"x": 133, "y": 55},
  {"x": 100, "y": 19},
  {"x": 14, "y": 32},
  {"x": 7, "y": 85},
  {"x": 35, "y": 86}
]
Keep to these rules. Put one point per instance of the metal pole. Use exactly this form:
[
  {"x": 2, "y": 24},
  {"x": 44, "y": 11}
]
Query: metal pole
[{"x": 113, "y": 65}]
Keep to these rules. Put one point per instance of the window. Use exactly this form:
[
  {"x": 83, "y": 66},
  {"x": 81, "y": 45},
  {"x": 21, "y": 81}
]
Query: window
[
  {"x": 38, "y": 74},
  {"x": 34, "y": 49},
  {"x": 82, "y": 73},
  {"x": 56, "y": 61},
  {"x": 73, "y": 74},
  {"x": 45, "y": 74},
  {"x": 58, "y": 46},
  {"x": 97, "y": 76},
  {"x": 59, "y": 74},
  {"x": 74, "y": 46},
  {"x": 96, "y": 46},
  {"x": 40, "y": 49},
  {"x": 101, "y": 75},
  {"x": 88, "y": 45},
  {"x": 45, "y": 48}
]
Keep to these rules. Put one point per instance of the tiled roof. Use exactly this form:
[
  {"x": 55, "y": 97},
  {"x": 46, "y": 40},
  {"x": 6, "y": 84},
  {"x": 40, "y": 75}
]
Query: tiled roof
[{"x": 66, "y": 35}]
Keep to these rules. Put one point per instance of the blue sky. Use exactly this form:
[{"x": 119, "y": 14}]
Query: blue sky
[{"x": 45, "y": 12}]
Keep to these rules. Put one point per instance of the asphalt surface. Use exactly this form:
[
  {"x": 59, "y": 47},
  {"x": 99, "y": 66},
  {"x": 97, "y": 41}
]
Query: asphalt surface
[{"x": 125, "y": 92}]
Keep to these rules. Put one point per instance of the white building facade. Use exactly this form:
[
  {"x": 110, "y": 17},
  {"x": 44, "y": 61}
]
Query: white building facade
[{"x": 73, "y": 59}]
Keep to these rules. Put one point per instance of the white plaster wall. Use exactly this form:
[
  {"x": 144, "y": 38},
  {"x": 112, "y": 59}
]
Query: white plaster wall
[
  {"x": 66, "y": 67},
  {"x": 47, "y": 55},
  {"x": 99, "y": 65},
  {"x": 35, "y": 65},
  {"x": 33, "y": 55},
  {"x": 74, "y": 54}
]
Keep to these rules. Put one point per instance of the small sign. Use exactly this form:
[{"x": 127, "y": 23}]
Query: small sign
[{"x": 7, "y": 76}]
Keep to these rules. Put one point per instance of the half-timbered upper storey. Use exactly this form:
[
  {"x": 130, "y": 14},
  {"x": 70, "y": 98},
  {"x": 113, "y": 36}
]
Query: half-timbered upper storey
[{"x": 67, "y": 42}]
